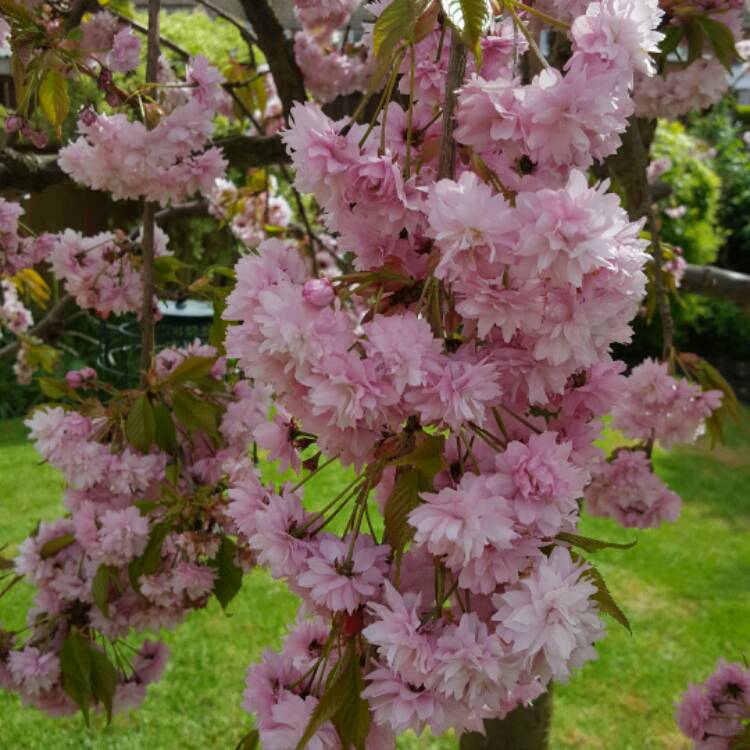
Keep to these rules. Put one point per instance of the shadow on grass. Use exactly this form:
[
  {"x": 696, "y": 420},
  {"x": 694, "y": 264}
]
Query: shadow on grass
[{"x": 13, "y": 432}]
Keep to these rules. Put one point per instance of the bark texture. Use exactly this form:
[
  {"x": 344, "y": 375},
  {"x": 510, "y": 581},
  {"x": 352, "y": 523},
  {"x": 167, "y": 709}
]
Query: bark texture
[{"x": 522, "y": 729}]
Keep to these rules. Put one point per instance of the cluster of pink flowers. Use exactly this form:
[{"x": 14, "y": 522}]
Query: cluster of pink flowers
[
  {"x": 478, "y": 324},
  {"x": 656, "y": 406},
  {"x": 715, "y": 715},
  {"x": 119, "y": 49},
  {"x": 562, "y": 119},
  {"x": 102, "y": 272},
  {"x": 330, "y": 69},
  {"x": 462, "y": 367},
  {"x": 14, "y": 315},
  {"x": 626, "y": 489},
  {"x": 695, "y": 87},
  {"x": 324, "y": 17},
  {"x": 114, "y": 502},
  {"x": 17, "y": 251},
  {"x": 682, "y": 88},
  {"x": 166, "y": 163},
  {"x": 651, "y": 405}
]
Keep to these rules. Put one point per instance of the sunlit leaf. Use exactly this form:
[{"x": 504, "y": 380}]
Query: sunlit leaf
[
  {"x": 469, "y": 18},
  {"x": 604, "y": 598},
  {"x": 53, "y": 98}
]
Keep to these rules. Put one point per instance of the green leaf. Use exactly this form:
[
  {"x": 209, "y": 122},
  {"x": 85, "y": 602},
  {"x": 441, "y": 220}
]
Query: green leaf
[
  {"x": 592, "y": 545},
  {"x": 44, "y": 356},
  {"x": 57, "y": 389},
  {"x": 720, "y": 38},
  {"x": 469, "y": 18},
  {"x": 352, "y": 719},
  {"x": 604, "y": 599},
  {"x": 148, "y": 563},
  {"x": 672, "y": 38},
  {"x": 191, "y": 369},
  {"x": 165, "y": 434},
  {"x": 103, "y": 680},
  {"x": 140, "y": 425},
  {"x": 53, "y": 98},
  {"x": 397, "y": 22},
  {"x": 695, "y": 40},
  {"x": 218, "y": 331},
  {"x": 75, "y": 663},
  {"x": 165, "y": 269},
  {"x": 403, "y": 499},
  {"x": 100, "y": 586},
  {"x": 427, "y": 456},
  {"x": 53, "y": 546},
  {"x": 249, "y": 741},
  {"x": 151, "y": 557},
  {"x": 195, "y": 414},
  {"x": 336, "y": 696},
  {"x": 228, "y": 574}
]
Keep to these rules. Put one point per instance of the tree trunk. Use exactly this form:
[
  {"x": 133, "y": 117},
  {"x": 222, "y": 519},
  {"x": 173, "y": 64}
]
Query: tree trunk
[{"x": 522, "y": 729}]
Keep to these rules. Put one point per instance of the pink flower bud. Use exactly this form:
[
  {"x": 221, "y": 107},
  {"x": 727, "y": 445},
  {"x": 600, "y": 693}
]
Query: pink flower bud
[
  {"x": 39, "y": 138},
  {"x": 13, "y": 123},
  {"x": 87, "y": 117},
  {"x": 77, "y": 378},
  {"x": 318, "y": 292}
]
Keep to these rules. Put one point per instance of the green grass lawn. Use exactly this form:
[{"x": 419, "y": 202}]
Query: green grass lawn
[{"x": 686, "y": 588}]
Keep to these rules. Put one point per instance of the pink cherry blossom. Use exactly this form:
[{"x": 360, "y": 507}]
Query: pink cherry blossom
[
  {"x": 340, "y": 581},
  {"x": 550, "y": 618},
  {"x": 627, "y": 490}
]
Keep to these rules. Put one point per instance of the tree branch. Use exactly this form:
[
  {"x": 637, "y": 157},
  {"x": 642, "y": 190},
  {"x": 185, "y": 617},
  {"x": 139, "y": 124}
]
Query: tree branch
[
  {"x": 453, "y": 80},
  {"x": 28, "y": 171},
  {"x": 246, "y": 152},
  {"x": 278, "y": 52},
  {"x": 629, "y": 167},
  {"x": 149, "y": 212},
  {"x": 719, "y": 283},
  {"x": 247, "y": 37},
  {"x": 50, "y": 326}
]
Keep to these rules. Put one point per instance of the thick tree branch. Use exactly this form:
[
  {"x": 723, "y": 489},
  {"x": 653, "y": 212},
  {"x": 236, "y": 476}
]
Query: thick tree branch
[
  {"x": 246, "y": 152},
  {"x": 278, "y": 52},
  {"x": 628, "y": 166},
  {"x": 27, "y": 171},
  {"x": 719, "y": 283}
]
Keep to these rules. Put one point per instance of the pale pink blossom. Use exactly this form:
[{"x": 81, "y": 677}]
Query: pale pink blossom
[
  {"x": 459, "y": 523},
  {"x": 549, "y": 618},
  {"x": 340, "y": 581},
  {"x": 626, "y": 489}
]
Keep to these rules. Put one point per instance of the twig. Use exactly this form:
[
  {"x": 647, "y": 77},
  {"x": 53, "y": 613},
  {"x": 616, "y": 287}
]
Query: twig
[
  {"x": 245, "y": 33},
  {"x": 313, "y": 238},
  {"x": 141, "y": 29},
  {"x": 454, "y": 79},
  {"x": 149, "y": 211}
]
